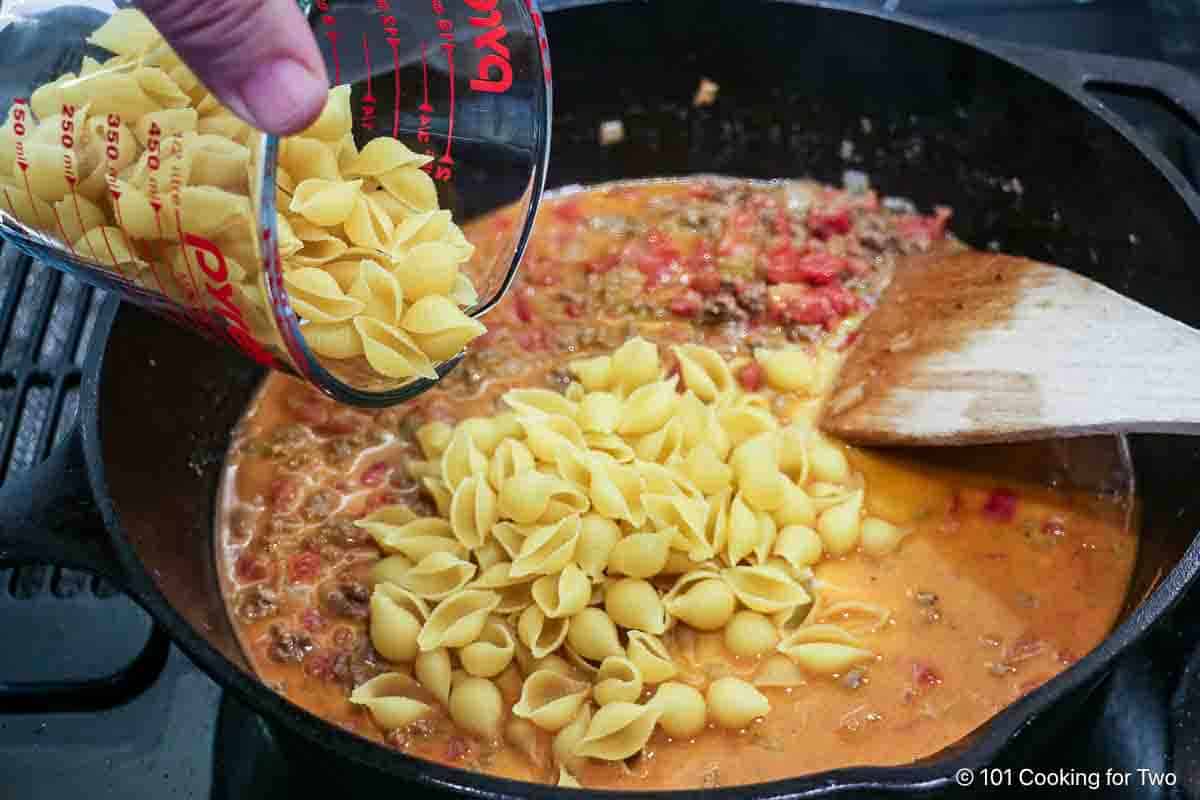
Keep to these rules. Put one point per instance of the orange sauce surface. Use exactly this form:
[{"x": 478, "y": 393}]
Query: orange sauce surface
[{"x": 1007, "y": 577}]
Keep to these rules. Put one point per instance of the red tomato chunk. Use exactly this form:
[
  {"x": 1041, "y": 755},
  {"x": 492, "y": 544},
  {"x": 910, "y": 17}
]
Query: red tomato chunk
[
  {"x": 751, "y": 377},
  {"x": 304, "y": 567},
  {"x": 1001, "y": 505},
  {"x": 374, "y": 474}
]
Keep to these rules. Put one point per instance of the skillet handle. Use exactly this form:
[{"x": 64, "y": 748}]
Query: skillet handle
[
  {"x": 1084, "y": 70},
  {"x": 49, "y": 515}
]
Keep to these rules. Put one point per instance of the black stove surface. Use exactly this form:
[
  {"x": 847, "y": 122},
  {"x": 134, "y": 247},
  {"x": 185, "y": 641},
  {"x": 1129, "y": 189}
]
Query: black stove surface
[{"x": 96, "y": 703}]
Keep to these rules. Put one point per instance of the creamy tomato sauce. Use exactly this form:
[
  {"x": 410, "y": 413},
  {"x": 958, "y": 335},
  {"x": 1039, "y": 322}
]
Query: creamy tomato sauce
[{"x": 1007, "y": 577}]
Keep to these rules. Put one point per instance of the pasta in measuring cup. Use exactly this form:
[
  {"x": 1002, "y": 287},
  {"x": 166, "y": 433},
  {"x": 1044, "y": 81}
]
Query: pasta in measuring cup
[{"x": 125, "y": 159}]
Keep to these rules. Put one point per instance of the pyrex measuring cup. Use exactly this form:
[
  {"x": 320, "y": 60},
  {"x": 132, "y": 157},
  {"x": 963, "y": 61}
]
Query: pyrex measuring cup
[{"x": 335, "y": 254}]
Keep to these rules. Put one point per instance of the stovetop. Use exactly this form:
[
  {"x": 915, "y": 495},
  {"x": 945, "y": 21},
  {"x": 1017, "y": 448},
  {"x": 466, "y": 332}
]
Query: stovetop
[{"x": 95, "y": 702}]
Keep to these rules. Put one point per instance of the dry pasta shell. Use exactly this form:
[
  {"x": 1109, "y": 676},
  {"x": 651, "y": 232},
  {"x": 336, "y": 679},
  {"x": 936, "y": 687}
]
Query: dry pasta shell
[
  {"x": 688, "y": 516},
  {"x": 391, "y": 352},
  {"x": 384, "y": 154},
  {"x": 427, "y": 269},
  {"x": 305, "y": 158},
  {"x": 634, "y": 364},
  {"x": 824, "y": 649},
  {"x": 438, "y": 575},
  {"x": 415, "y": 539},
  {"x": 337, "y": 340},
  {"x": 641, "y": 555},
  {"x": 473, "y": 511},
  {"x": 462, "y": 459},
  {"x": 368, "y": 224},
  {"x": 651, "y": 657},
  {"x": 335, "y": 120},
  {"x": 540, "y": 403},
  {"x": 618, "y": 681},
  {"x": 617, "y": 731},
  {"x": 616, "y": 491},
  {"x": 411, "y": 186},
  {"x": 379, "y": 292},
  {"x": 564, "y": 594},
  {"x": 434, "y": 670},
  {"x": 755, "y": 463},
  {"x": 491, "y": 653},
  {"x": 765, "y": 589},
  {"x": 127, "y": 32},
  {"x": 396, "y": 619},
  {"x": 458, "y": 619},
  {"x": 550, "y": 700},
  {"x": 648, "y": 408},
  {"x": 325, "y": 202},
  {"x": 393, "y": 699},
  {"x": 316, "y": 296},
  {"x": 539, "y": 633},
  {"x": 548, "y": 548},
  {"x": 704, "y": 371},
  {"x": 439, "y": 327},
  {"x": 706, "y": 470},
  {"x": 525, "y": 496}
]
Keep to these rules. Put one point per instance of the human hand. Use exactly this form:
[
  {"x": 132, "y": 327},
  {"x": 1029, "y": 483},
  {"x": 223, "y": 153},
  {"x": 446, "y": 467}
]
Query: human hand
[{"x": 259, "y": 57}]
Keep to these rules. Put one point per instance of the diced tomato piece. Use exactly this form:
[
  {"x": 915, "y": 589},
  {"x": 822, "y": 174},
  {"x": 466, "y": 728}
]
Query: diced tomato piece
[
  {"x": 741, "y": 221},
  {"x": 343, "y": 421},
  {"x": 751, "y": 376},
  {"x": 925, "y": 675},
  {"x": 283, "y": 494},
  {"x": 788, "y": 265},
  {"x": 308, "y": 407},
  {"x": 656, "y": 258},
  {"x": 702, "y": 191},
  {"x": 843, "y": 300},
  {"x": 573, "y": 310},
  {"x": 457, "y": 748},
  {"x": 531, "y": 339},
  {"x": 809, "y": 307},
  {"x": 319, "y": 664},
  {"x": 523, "y": 303},
  {"x": 1001, "y": 505},
  {"x": 924, "y": 229},
  {"x": 374, "y": 474},
  {"x": 783, "y": 224},
  {"x": 707, "y": 282},
  {"x": 603, "y": 264},
  {"x": 824, "y": 223},
  {"x": 304, "y": 567},
  {"x": 568, "y": 210},
  {"x": 686, "y": 304},
  {"x": 250, "y": 567},
  {"x": 311, "y": 620}
]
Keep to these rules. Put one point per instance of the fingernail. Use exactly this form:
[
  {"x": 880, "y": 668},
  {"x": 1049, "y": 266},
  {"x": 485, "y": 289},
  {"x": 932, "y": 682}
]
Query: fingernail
[{"x": 283, "y": 96}]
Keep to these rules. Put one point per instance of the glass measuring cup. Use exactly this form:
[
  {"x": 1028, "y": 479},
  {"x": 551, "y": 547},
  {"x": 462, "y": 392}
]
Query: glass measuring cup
[{"x": 335, "y": 254}]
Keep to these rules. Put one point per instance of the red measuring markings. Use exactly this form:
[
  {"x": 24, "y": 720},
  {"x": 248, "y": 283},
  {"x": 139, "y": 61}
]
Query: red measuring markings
[
  {"x": 391, "y": 30},
  {"x": 424, "y": 120},
  {"x": 498, "y": 60},
  {"x": 20, "y": 115},
  {"x": 443, "y": 173},
  {"x": 330, "y": 23},
  {"x": 176, "y": 200},
  {"x": 367, "y": 120},
  {"x": 216, "y": 271}
]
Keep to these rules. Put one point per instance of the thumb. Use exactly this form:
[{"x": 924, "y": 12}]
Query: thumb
[{"x": 259, "y": 57}]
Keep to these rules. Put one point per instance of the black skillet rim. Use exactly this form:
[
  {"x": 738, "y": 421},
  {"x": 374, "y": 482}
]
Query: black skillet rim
[{"x": 985, "y": 744}]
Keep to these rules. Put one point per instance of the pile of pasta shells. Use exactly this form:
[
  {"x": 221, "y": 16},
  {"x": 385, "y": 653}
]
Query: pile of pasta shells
[
  {"x": 581, "y": 534},
  {"x": 123, "y": 159}
]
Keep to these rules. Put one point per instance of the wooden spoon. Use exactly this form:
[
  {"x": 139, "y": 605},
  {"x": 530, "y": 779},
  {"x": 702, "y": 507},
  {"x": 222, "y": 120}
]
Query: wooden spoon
[{"x": 976, "y": 347}]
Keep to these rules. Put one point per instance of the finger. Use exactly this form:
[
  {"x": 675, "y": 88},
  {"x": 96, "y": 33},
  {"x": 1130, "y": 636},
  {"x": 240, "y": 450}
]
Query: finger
[{"x": 259, "y": 57}]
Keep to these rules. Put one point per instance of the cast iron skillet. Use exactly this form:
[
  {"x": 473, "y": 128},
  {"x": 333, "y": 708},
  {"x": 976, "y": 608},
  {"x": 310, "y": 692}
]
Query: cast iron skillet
[{"x": 1008, "y": 136}]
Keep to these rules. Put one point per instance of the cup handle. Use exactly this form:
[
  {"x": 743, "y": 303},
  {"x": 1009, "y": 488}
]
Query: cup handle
[{"x": 49, "y": 515}]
